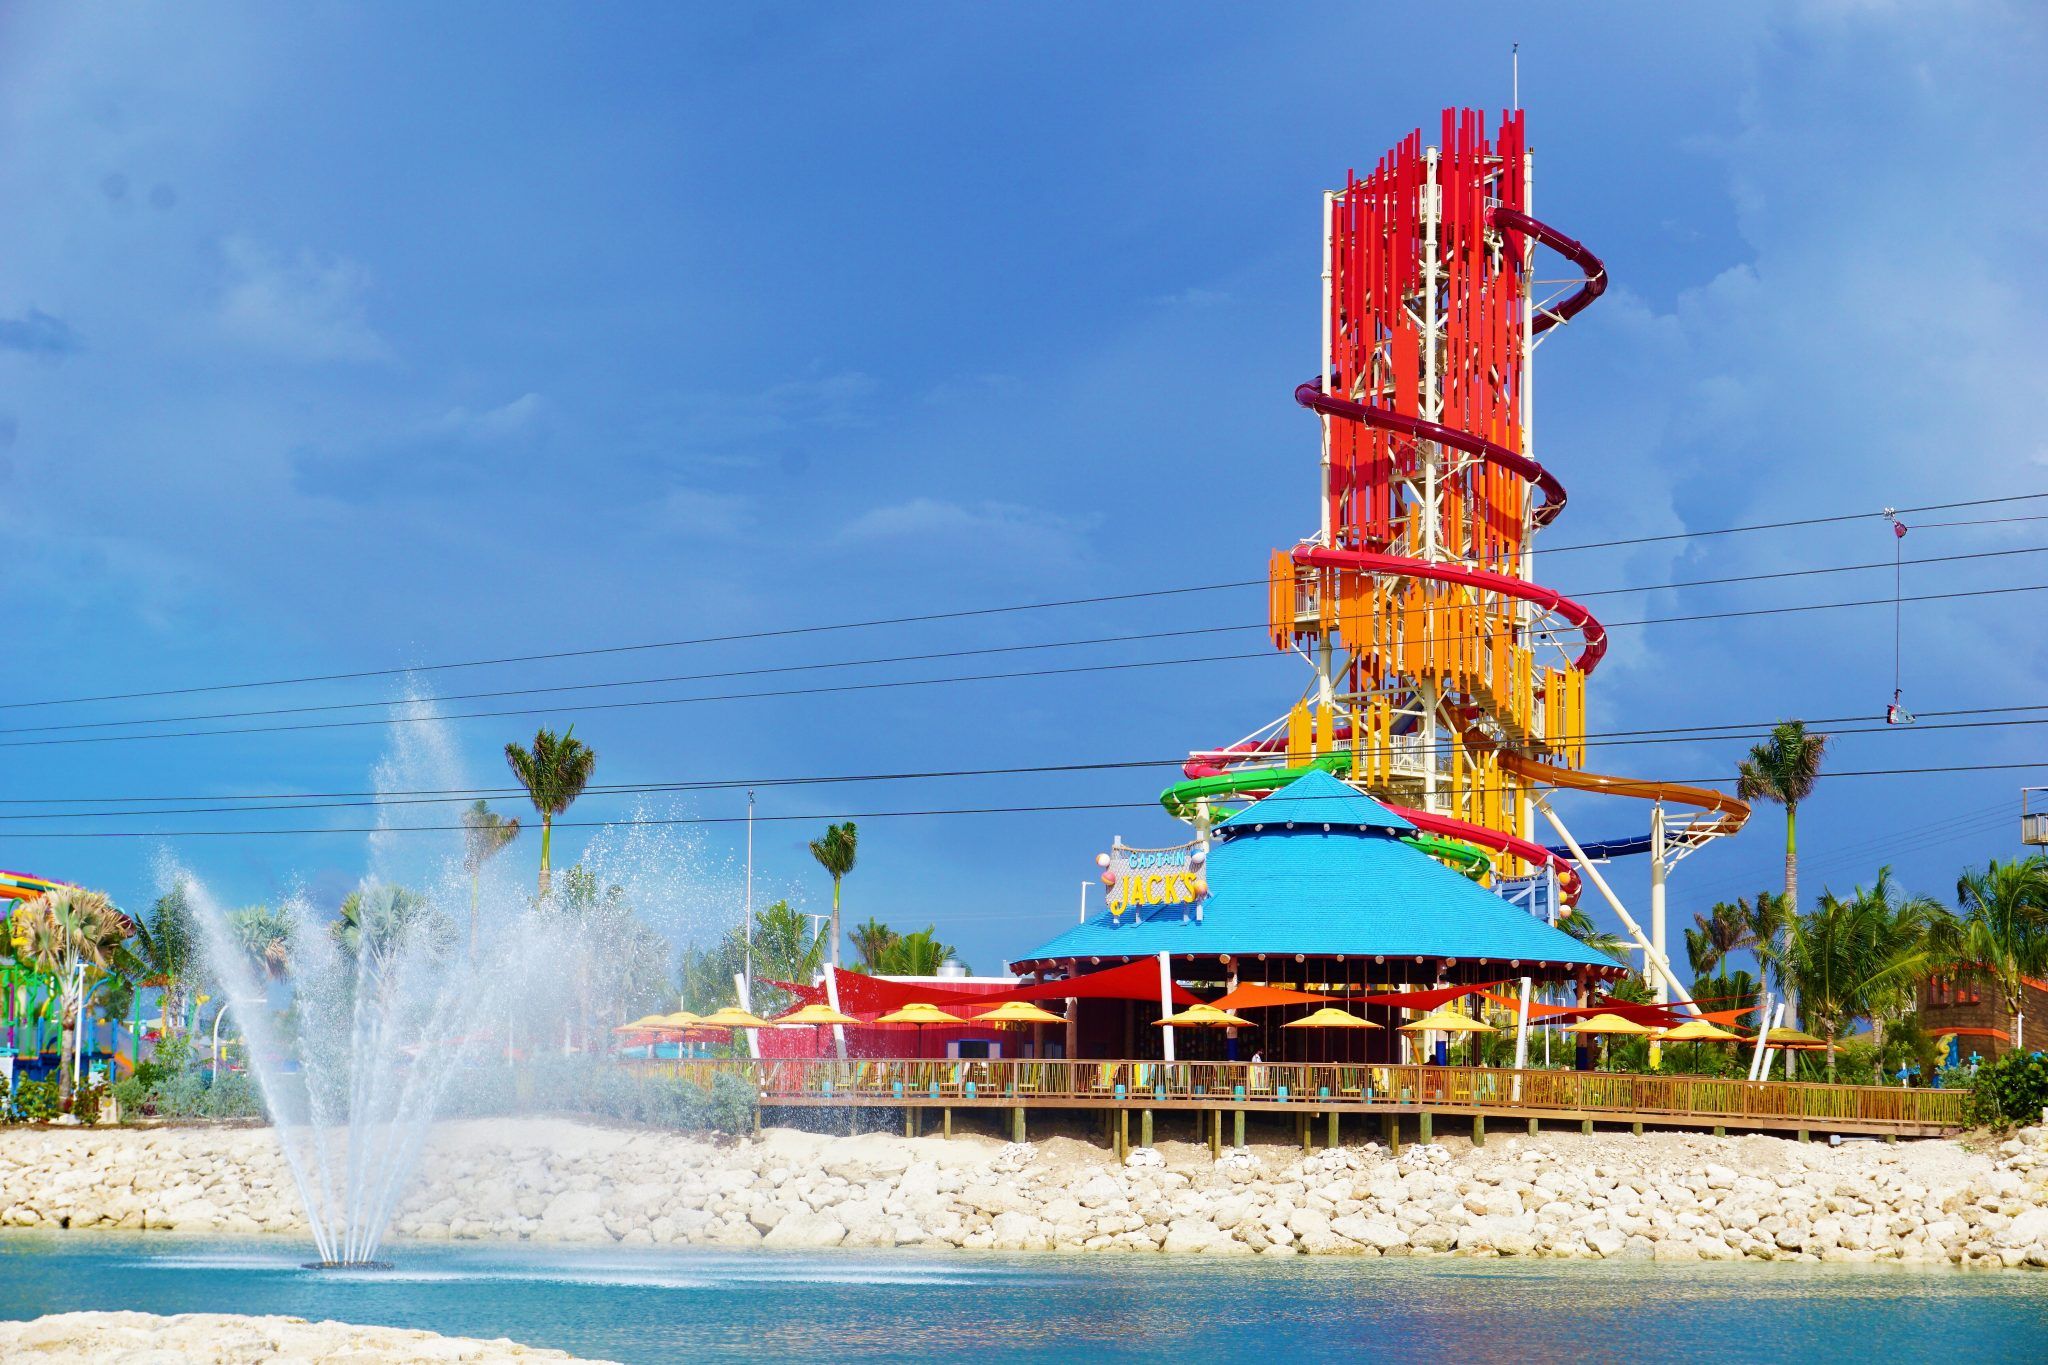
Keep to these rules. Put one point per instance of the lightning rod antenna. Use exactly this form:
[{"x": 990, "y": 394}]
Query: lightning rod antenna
[{"x": 1515, "y": 73}]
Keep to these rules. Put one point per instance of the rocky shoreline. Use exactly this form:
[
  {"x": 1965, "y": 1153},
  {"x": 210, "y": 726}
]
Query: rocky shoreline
[
  {"x": 64, "y": 1338},
  {"x": 1669, "y": 1196}
]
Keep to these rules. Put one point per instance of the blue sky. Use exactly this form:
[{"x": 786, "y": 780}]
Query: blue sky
[{"x": 339, "y": 338}]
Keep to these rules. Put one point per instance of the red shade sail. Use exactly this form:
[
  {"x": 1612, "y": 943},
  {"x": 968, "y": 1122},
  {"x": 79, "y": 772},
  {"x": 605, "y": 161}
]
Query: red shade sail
[
  {"x": 1429, "y": 1000},
  {"x": 1252, "y": 996},
  {"x": 863, "y": 994}
]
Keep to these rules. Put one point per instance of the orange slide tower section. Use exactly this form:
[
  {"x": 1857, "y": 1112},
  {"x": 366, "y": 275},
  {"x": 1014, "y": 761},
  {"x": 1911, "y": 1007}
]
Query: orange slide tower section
[{"x": 1447, "y": 681}]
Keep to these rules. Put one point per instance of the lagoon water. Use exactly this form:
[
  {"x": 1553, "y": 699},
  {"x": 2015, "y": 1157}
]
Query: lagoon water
[{"x": 662, "y": 1305}]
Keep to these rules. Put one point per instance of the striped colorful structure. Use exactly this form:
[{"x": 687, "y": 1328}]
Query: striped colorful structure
[{"x": 1446, "y": 681}]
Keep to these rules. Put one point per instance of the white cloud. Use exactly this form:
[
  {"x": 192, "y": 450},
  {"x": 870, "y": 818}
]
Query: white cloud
[
  {"x": 511, "y": 421},
  {"x": 702, "y": 514},
  {"x": 997, "y": 527},
  {"x": 304, "y": 307}
]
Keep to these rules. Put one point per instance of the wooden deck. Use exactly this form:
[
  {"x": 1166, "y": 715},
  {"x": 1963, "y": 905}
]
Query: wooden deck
[{"x": 1334, "y": 1092}]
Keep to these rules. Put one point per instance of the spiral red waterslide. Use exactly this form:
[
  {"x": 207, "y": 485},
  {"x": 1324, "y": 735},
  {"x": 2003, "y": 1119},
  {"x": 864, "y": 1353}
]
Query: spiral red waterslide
[{"x": 1430, "y": 318}]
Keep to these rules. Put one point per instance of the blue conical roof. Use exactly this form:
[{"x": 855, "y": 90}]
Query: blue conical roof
[
  {"x": 1281, "y": 883},
  {"x": 1314, "y": 800}
]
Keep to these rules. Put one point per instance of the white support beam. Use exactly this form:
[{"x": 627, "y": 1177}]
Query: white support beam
[{"x": 1653, "y": 959}]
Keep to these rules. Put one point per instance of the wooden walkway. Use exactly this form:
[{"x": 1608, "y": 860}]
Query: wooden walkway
[{"x": 1332, "y": 1093}]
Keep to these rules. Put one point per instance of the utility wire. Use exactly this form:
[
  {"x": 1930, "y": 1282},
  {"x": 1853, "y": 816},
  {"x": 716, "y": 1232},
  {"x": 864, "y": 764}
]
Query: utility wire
[
  {"x": 895, "y": 683},
  {"x": 925, "y": 657},
  {"x": 927, "y": 617},
  {"x": 356, "y": 800},
  {"x": 1696, "y": 733},
  {"x": 637, "y": 821}
]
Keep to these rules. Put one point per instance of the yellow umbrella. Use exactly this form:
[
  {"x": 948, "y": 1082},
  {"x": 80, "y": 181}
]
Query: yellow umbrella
[
  {"x": 1609, "y": 1023},
  {"x": 1793, "y": 1040},
  {"x": 1018, "y": 1012},
  {"x": 1448, "y": 1021},
  {"x": 1329, "y": 1016},
  {"x": 644, "y": 1024},
  {"x": 681, "y": 1019},
  {"x": 732, "y": 1016},
  {"x": 1696, "y": 1031},
  {"x": 818, "y": 1013},
  {"x": 919, "y": 1013},
  {"x": 1203, "y": 1016}
]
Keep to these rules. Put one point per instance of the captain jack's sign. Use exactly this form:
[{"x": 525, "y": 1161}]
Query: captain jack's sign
[{"x": 1133, "y": 877}]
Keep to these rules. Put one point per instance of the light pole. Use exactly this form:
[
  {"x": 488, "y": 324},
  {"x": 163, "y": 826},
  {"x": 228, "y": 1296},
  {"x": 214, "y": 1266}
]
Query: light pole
[{"x": 747, "y": 924}]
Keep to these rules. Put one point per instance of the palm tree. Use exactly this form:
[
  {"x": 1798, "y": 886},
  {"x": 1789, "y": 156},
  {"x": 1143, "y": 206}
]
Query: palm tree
[
  {"x": 265, "y": 937},
  {"x": 1784, "y": 769},
  {"x": 73, "y": 934},
  {"x": 916, "y": 954},
  {"x": 485, "y": 833},
  {"x": 871, "y": 940},
  {"x": 1859, "y": 957},
  {"x": 167, "y": 948},
  {"x": 384, "y": 920},
  {"x": 1719, "y": 932},
  {"x": 554, "y": 772},
  {"x": 2002, "y": 932},
  {"x": 835, "y": 853}
]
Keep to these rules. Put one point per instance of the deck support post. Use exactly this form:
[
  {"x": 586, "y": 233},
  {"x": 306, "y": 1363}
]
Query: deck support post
[
  {"x": 1428, "y": 1128},
  {"x": 1805, "y": 1135},
  {"x": 1479, "y": 1130},
  {"x": 1586, "y": 1127},
  {"x": 1123, "y": 1134},
  {"x": 1636, "y": 1127},
  {"x": 1017, "y": 1124},
  {"x": 1392, "y": 1124},
  {"x": 1145, "y": 1128},
  {"x": 1237, "y": 1129},
  {"x": 1215, "y": 1132},
  {"x": 1333, "y": 1130},
  {"x": 1720, "y": 1130},
  {"x": 949, "y": 1121},
  {"x": 1532, "y": 1126},
  {"x": 909, "y": 1120}
]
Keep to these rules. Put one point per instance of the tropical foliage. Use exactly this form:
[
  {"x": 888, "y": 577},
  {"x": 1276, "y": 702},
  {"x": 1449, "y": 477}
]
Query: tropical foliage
[
  {"x": 2002, "y": 932},
  {"x": 885, "y": 952},
  {"x": 554, "y": 772},
  {"x": 1784, "y": 770},
  {"x": 377, "y": 923},
  {"x": 786, "y": 947},
  {"x": 485, "y": 834},
  {"x": 836, "y": 851},
  {"x": 1858, "y": 956},
  {"x": 77, "y": 937}
]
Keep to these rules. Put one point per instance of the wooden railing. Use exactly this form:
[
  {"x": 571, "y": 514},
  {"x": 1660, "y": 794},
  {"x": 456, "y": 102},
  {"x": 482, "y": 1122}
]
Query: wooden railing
[{"x": 1322, "y": 1086}]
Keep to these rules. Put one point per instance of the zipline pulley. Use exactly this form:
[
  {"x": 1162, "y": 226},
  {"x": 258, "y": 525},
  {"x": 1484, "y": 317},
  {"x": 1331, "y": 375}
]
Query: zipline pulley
[{"x": 1896, "y": 713}]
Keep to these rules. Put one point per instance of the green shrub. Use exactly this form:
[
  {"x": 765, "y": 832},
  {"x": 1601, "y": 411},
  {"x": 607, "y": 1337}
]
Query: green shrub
[
  {"x": 2011, "y": 1090},
  {"x": 87, "y": 1100},
  {"x": 36, "y": 1101},
  {"x": 132, "y": 1095},
  {"x": 231, "y": 1096},
  {"x": 172, "y": 1054}
]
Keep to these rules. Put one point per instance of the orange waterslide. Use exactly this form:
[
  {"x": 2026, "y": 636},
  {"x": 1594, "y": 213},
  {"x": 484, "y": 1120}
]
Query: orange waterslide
[{"x": 1733, "y": 813}]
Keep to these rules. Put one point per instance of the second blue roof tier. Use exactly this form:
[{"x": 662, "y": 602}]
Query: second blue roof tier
[{"x": 1282, "y": 883}]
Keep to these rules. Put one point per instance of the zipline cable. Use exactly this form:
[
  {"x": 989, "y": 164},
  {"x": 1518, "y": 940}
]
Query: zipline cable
[
  {"x": 928, "y": 617},
  {"x": 924, "y": 657},
  {"x": 895, "y": 683},
  {"x": 816, "y": 816}
]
